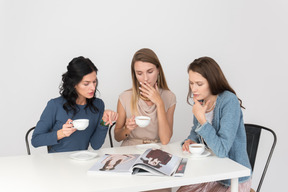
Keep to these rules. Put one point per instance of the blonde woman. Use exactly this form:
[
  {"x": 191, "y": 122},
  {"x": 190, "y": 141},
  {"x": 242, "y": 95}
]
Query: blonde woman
[{"x": 149, "y": 96}]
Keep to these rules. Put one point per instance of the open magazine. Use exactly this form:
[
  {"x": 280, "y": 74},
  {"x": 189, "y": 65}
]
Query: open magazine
[{"x": 151, "y": 162}]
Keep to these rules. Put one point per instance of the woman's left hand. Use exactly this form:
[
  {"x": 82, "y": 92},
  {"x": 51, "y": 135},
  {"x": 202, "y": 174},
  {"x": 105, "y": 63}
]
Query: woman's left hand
[
  {"x": 185, "y": 146},
  {"x": 150, "y": 92},
  {"x": 109, "y": 116}
]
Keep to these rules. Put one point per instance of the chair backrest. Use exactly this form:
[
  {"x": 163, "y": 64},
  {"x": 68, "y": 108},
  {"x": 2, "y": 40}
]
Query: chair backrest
[
  {"x": 110, "y": 135},
  {"x": 253, "y": 133},
  {"x": 26, "y": 140}
]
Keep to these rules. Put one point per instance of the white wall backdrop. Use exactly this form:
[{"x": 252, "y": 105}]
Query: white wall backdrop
[{"x": 247, "y": 38}]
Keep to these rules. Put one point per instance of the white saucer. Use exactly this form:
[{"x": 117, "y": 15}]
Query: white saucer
[
  {"x": 83, "y": 155},
  {"x": 206, "y": 153},
  {"x": 144, "y": 147}
]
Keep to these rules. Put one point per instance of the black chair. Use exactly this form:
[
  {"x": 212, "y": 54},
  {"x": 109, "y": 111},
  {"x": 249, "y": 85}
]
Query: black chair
[
  {"x": 110, "y": 135},
  {"x": 253, "y": 133},
  {"x": 26, "y": 140}
]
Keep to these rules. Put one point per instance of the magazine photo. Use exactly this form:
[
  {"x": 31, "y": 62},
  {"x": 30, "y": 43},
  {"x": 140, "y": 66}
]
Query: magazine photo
[{"x": 151, "y": 162}]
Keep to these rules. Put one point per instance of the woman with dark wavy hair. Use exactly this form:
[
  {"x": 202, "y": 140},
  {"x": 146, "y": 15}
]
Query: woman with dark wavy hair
[{"x": 77, "y": 101}]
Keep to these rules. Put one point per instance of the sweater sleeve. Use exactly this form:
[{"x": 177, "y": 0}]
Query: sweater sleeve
[
  {"x": 99, "y": 135},
  {"x": 221, "y": 141},
  {"x": 42, "y": 135},
  {"x": 193, "y": 135}
]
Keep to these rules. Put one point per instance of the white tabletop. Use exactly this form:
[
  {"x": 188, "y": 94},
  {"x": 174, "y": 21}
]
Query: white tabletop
[{"x": 58, "y": 172}]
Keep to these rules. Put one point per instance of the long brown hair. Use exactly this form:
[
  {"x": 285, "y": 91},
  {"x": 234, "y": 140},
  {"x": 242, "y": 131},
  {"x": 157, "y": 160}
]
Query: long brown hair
[
  {"x": 145, "y": 55},
  {"x": 211, "y": 71}
]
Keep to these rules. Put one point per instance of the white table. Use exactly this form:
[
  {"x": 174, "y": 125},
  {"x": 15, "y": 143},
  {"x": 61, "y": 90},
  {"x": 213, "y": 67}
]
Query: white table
[{"x": 58, "y": 172}]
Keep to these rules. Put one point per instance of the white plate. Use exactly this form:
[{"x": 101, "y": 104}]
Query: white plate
[
  {"x": 144, "y": 147},
  {"x": 206, "y": 153},
  {"x": 83, "y": 155}
]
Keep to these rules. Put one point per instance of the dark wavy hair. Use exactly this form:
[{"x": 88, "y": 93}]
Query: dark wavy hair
[
  {"x": 76, "y": 70},
  {"x": 211, "y": 71}
]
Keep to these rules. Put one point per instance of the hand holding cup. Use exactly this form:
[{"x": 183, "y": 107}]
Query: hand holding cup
[{"x": 67, "y": 130}]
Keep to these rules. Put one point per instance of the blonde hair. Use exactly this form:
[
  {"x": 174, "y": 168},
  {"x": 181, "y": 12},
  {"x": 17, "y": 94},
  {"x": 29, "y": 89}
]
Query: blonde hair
[{"x": 145, "y": 55}]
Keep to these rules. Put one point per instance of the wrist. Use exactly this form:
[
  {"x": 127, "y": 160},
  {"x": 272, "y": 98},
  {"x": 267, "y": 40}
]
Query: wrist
[
  {"x": 202, "y": 121},
  {"x": 60, "y": 134},
  {"x": 159, "y": 103},
  {"x": 200, "y": 118},
  {"x": 126, "y": 132}
]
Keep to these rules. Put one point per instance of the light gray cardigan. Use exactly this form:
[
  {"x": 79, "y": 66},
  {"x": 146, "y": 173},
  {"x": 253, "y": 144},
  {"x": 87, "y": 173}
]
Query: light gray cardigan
[{"x": 226, "y": 136}]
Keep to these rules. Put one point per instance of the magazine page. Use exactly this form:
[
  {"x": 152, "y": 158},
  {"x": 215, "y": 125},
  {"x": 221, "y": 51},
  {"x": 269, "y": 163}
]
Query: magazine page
[
  {"x": 181, "y": 168},
  {"x": 114, "y": 163},
  {"x": 141, "y": 169},
  {"x": 158, "y": 160}
]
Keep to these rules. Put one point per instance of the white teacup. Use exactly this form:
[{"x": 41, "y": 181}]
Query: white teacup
[
  {"x": 196, "y": 148},
  {"x": 142, "y": 121},
  {"x": 80, "y": 124}
]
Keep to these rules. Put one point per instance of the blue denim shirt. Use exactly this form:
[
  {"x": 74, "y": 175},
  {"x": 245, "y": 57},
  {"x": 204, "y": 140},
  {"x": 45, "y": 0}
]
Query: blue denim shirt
[{"x": 226, "y": 137}]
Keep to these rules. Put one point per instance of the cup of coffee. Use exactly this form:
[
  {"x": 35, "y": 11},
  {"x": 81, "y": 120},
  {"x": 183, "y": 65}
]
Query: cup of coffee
[
  {"x": 142, "y": 121},
  {"x": 196, "y": 148},
  {"x": 80, "y": 124}
]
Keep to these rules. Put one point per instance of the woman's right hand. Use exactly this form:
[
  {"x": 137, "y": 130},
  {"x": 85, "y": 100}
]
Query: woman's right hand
[
  {"x": 68, "y": 128},
  {"x": 130, "y": 123},
  {"x": 185, "y": 146}
]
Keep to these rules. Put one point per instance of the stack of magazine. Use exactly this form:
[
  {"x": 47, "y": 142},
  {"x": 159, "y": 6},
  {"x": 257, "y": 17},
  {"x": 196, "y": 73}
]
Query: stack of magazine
[{"x": 151, "y": 162}]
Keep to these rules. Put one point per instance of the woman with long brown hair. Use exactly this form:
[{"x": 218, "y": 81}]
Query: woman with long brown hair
[{"x": 217, "y": 121}]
